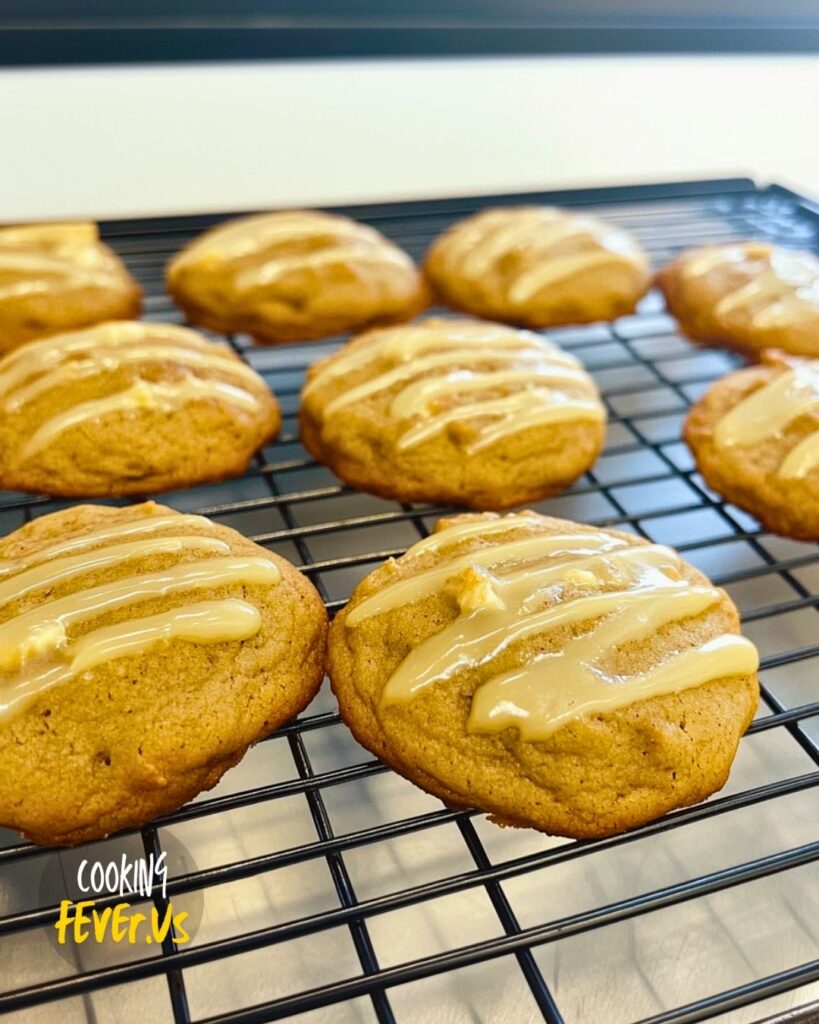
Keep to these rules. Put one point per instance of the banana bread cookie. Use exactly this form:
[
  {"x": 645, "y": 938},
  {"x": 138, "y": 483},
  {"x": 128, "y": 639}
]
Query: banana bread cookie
[
  {"x": 755, "y": 438},
  {"x": 128, "y": 408},
  {"x": 538, "y": 266},
  {"x": 457, "y": 411},
  {"x": 575, "y": 680},
  {"x": 747, "y": 296},
  {"x": 142, "y": 652},
  {"x": 294, "y": 275},
  {"x": 57, "y": 277}
]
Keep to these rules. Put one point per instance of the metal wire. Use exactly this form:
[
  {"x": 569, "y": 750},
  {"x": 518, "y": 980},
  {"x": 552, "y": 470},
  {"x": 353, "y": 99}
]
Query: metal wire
[{"x": 644, "y": 482}]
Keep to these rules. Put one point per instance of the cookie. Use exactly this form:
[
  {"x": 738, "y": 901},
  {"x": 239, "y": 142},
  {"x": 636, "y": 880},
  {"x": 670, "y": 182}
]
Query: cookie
[
  {"x": 453, "y": 411},
  {"x": 128, "y": 408},
  {"x": 538, "y": 266},
  {"x": 142, "y": 651},
  {"x": 755, "y": 438},
  {"x": 747, "y": 296},
  {"x": 575, "y": 680},
  {"x": 294, "y": 275},
  {"x": 57, "y": 277}
]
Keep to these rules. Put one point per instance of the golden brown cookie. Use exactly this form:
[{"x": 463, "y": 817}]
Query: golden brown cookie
[
  {"x": 538, "y": 266},
  {"x": 293, "y": 276},
  {"x": 747, "y": 296},
  {"x": 142, "y": 652},
  {"x": 576, "y": 680},
  {"x": 57, "y": 277},
  {"x": 755, "y": 438},
  {"x": 453, "y": 411},
  {"x": 128, "y": 408}
]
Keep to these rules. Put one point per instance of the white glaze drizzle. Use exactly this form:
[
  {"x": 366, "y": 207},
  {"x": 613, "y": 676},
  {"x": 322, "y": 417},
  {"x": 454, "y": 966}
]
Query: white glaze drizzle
[
  {"x": 777, "y": 287},
  {"x": 517, "y": 380},
  {"x": 769, "y": 410},
  {"x": 60, "y": 570},
  {"x": 352, "y": 253},
  {"x": 247, "y": 236},
  {"x": 41, "y": 258},
  {"x": 449, "y": 532},
  {"x": 201, "y": 622},
  {"x": 474, "y": 247},
  {"x": 38, "y": 644},
  {"x": 144, "y": 395},
  {"x": 260, "y": 244},
  {"x": 42, "y": 366},
  {"x": 150, "y": 524},
  {"x": 511, "y": 590}
]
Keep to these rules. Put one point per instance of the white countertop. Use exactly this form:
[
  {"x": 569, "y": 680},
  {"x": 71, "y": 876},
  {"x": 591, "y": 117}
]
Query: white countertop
[{"x": 158, "y": 139}]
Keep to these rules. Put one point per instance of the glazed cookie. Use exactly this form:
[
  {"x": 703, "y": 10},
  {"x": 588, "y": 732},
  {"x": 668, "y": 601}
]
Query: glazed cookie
[
  {"x": 755, "y": 438},
  {"x": 294, "y": 275},
  {"x": 538, "y": 266},
  {"x": 453, "y": 411},
  {"x": 56, "y": 277},
  {"x": 128, "y": 408},
  {"x": 143, "y": 651},
  {"x": 746, "y": 296},
  {"x": 571, "y": 679}
]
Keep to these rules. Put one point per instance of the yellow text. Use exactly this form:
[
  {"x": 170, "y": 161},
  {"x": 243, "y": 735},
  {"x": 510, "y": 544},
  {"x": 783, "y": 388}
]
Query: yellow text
[{"x": 82, "y": 921}]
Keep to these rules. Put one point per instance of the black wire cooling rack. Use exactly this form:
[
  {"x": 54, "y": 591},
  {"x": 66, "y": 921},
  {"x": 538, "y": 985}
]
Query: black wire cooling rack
[{"x": 324, "y": 888}]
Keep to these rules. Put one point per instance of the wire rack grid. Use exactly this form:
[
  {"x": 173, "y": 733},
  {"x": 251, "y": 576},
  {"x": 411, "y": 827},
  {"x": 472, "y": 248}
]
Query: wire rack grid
[{"x": 327, "y": 890}]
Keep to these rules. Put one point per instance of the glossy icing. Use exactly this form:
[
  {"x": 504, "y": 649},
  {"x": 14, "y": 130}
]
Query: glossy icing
[
  {"x": 35, "y": 369},
  {"x": 554, "y": 246},
  {"x": 500, "y": 380},
  {"x": 36, "y": 259},
  {"x": 769, "y": 410},
  {"x": 142, "y": 395},
  {"x": 39, "y": 366},
  {"x": 145, "y": 524},
  {"x": 59, "y": 570},
  {"x": 514, "y": 588},
  {"x": 259, "y": 246},
  {"x": 775, "y": 287},
  {"x": 39, "y": 644}
]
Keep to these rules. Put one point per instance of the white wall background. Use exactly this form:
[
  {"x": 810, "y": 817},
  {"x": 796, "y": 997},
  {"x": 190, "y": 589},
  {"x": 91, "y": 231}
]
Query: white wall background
[{"x": 111, "y": 141}]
